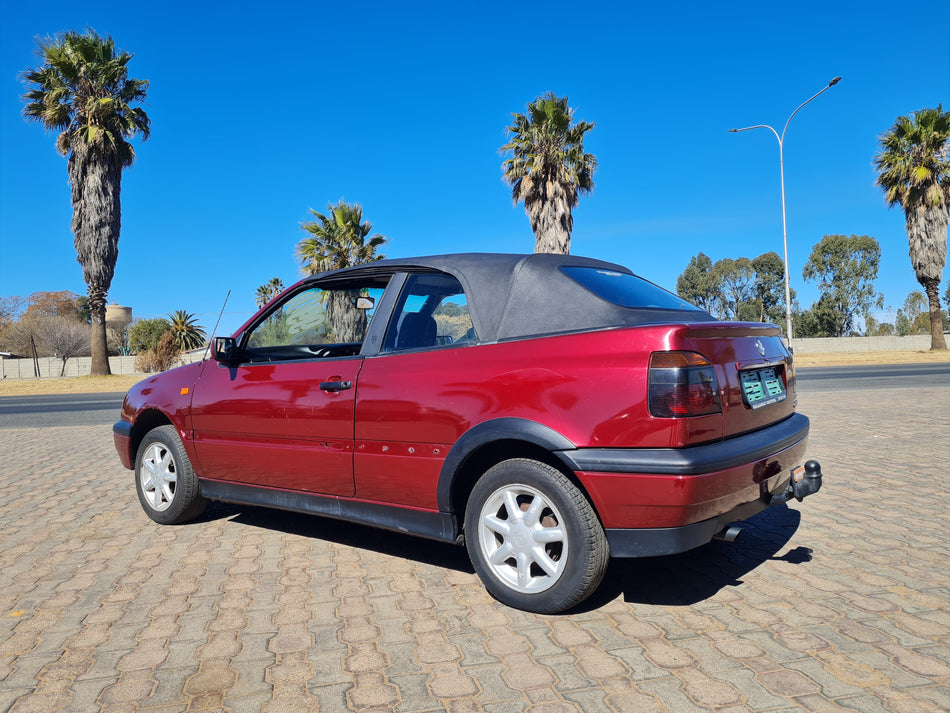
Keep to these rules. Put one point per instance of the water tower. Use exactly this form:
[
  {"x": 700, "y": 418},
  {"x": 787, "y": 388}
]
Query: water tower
[{"x": 118, "y": 319}]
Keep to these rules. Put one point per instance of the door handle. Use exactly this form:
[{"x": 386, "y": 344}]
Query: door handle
[{"x": 334, "y": 386}]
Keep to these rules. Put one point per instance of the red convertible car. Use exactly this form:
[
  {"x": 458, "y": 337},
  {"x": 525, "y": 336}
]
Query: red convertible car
[{"x": 548, "y": 411}]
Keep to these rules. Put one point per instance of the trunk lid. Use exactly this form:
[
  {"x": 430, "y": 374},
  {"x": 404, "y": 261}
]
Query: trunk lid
[{"x": 754, "y": 369}]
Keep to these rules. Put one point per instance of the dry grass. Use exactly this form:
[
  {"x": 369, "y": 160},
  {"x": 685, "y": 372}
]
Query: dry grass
[
  {"x": 95, "y": 384},
  {"x": 852, "y": 358},
  {"x": 69, "y": 385}
]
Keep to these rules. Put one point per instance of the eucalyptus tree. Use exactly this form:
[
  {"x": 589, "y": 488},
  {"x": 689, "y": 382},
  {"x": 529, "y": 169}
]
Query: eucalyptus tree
[
  {"x": 548, "y": 168},
  {"x": 770, "y": 287},
  {"x": 82, "y": 91},
  {"x": 844, "y": 267},
  {"x": 736, "y": 280},
  {"x": 697, "y": 284},
  {"x": 340, "y": 238},
  {"x": 749, "y": 290},
  {"x": 913, "y": 168},
  {"x": 913, "y": 317}
]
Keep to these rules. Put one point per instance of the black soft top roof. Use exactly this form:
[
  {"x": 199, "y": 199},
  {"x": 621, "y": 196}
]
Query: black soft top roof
[{"x": 512, "y": 296}]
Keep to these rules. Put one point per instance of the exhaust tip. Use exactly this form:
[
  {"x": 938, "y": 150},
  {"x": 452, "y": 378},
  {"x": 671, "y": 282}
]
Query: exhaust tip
[{"x": 728, "y": 534}]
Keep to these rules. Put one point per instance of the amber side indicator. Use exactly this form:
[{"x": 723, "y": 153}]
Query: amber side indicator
[{"x": 682, "y": 384}]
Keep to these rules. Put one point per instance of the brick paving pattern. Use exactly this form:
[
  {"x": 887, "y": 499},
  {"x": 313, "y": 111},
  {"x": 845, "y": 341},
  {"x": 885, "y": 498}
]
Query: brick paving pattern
[{"x": 841, "y": 603}]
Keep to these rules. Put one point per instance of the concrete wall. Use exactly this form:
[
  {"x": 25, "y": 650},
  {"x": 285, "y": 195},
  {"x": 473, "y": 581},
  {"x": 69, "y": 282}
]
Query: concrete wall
[
  {"x": 77, "y": 366},
  {"x": 817, "y": 345}
]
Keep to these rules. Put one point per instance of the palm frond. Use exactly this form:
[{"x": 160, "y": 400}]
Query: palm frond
[
  {"x": 188, "y": 334},
  {"x": 84, "y": 82},
  {"x": 339, "y": 238}
]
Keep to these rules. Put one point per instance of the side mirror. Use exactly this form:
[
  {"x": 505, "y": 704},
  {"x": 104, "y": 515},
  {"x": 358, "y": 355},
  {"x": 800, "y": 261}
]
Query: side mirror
[
  {"x": 365, "y": 303},
  {"x": 225, "y": 350}
]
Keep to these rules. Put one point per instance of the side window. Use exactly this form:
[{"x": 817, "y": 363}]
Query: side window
[
  {"x": 315, "y": 323},
  {"x": 432, "y": 311}
]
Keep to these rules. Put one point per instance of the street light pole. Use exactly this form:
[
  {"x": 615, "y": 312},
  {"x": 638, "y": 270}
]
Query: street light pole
[{"x": 781, "y": 168}]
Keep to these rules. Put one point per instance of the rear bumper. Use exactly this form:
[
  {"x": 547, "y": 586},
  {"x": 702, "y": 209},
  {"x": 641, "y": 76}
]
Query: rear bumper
[
  {"x": 661, "y": 501},
  {"x": 657, "y": 541},
  {"x": 696, "y": 460}
]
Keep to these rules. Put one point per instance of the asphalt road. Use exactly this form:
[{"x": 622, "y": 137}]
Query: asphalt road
[
  {"x": 853, "y": 378},
  {"x": 103, "y": 409},
  {"x": 60, "y": 410}
]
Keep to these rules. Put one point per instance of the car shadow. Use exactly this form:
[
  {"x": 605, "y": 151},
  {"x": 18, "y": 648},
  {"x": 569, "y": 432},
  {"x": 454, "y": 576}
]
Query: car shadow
[
  {"x": 697, "y": 575},
  {"x": 673, "y": 580},
  {"x": 395, "y": 544}
]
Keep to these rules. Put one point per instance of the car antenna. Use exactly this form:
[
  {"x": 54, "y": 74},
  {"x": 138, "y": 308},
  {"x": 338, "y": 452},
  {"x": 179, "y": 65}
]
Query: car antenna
[{"x": 214, "y": 331}]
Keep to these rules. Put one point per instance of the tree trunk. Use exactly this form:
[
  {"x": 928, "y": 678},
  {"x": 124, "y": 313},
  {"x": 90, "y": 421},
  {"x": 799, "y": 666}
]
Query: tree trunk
[
  {"x": 551, "y": 220},
  {"x": 927, "y": 239},
  {"x": 99, "y": 340},
  {"x": 347, "y": 323},
  {"x": 937, "y": 340},
  {"x": 95, "y": 175},
  {"x": 552, "y": 240}
]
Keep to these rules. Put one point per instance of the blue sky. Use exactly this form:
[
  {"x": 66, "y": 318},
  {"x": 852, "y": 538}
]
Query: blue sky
[{"x": 262, "y": 111}]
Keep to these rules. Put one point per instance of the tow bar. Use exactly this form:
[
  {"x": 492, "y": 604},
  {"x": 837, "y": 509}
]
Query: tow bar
[{"x": 806, "y": 480}]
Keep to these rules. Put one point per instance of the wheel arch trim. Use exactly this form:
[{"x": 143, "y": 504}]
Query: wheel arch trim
[
  {"x": 488, "y": 432},
  {"x": 133, "y": 432}
]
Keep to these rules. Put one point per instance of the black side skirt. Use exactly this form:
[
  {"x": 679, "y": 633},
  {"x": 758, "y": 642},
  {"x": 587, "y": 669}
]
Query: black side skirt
[{"x": 432, "y": 525}]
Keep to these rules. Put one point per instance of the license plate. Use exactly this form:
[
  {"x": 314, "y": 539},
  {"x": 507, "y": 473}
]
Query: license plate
[{"x": 761, "y": 387}]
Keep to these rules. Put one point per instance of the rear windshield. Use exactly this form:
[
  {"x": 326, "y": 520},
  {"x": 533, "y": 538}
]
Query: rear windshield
[{"x": 626, "y": 290}]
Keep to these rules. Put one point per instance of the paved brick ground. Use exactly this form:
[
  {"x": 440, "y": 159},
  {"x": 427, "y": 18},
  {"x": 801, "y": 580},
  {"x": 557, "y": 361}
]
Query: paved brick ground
[{"x": 841, "y": 603}]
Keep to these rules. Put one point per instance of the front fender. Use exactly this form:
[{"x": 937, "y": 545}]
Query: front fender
[{"x": 161, "y": 398}]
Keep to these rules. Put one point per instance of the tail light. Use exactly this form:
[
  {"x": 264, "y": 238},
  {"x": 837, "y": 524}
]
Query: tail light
[{"x": 682, "y": 384}]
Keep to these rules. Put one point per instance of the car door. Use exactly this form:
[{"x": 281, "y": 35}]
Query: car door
[
  {"x": 409, "y": 411},
  {"x": 282, "y": 414}
]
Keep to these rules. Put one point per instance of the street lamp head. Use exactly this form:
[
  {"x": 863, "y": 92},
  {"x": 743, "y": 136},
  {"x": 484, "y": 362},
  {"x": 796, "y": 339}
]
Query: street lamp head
[{"x": 781, "y": 140}]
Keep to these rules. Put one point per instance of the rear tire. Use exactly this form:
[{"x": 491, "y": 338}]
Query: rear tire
[
  {"x": 164, "y": 479},
  {"x": 534, "y": 538}
]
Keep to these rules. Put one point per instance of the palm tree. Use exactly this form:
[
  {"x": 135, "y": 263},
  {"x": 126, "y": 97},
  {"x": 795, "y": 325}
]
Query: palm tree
[
  {"x": 188, "y": 335},
  {"x": 548, "y": 169},
  {"x": 83, "y": 91},
  {"x": 914, "y": 171},
  {"x": 268, "y": 291},
  {"x": 338, "y": 239}
]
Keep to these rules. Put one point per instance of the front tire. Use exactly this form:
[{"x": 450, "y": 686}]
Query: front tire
[
  {"x": 534, "y": 538},
  {"x": 164, "y": 479}
]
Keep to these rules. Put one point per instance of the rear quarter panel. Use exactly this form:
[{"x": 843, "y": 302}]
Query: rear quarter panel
[{"x": 590, "y": 387}]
